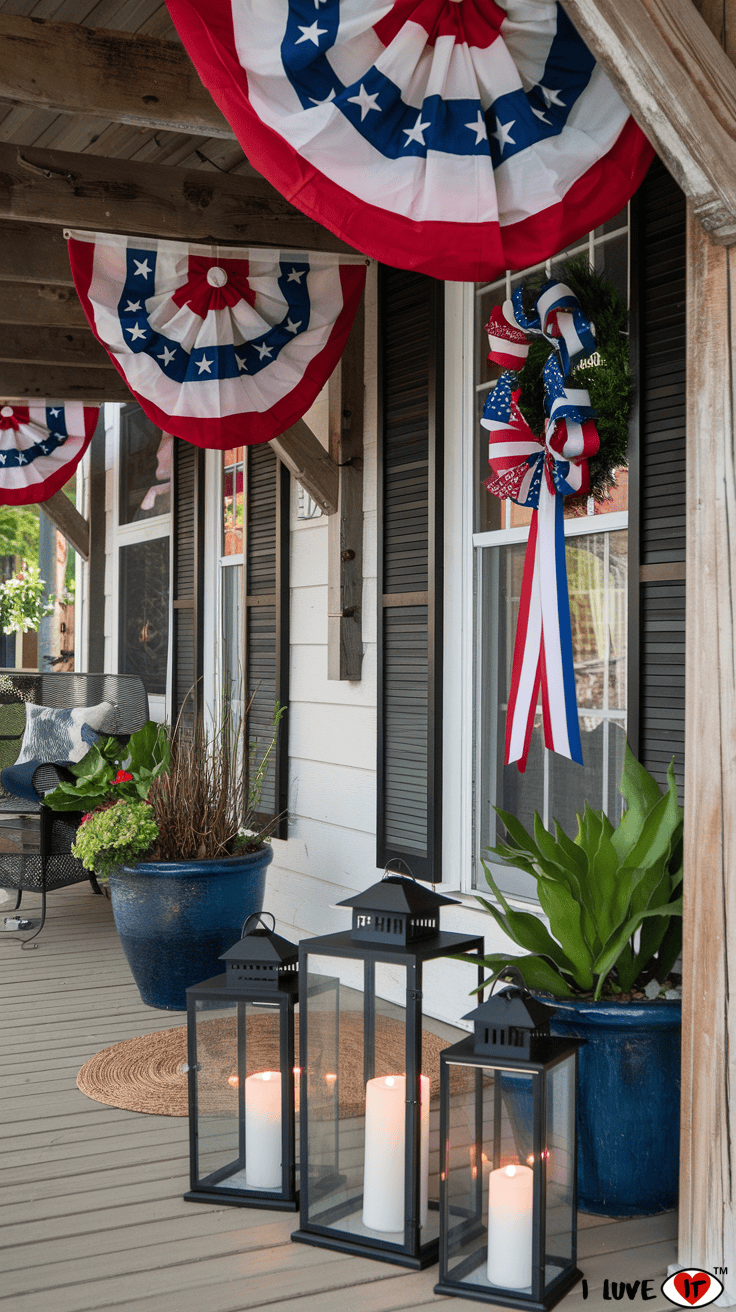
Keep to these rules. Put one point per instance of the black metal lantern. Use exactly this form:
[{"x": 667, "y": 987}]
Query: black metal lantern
[
  {"x": 369, "y": 1116},
  {"x": 241, "y": 1075},
  {"x": 508, "y": 1231}
]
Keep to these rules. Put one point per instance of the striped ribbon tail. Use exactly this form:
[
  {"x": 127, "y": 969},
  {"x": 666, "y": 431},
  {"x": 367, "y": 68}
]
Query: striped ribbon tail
[{"x": 543, "y": 654}]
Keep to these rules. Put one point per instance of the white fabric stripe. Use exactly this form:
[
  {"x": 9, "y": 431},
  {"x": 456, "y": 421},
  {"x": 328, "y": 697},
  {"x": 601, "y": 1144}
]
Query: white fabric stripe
[
  {"x": 525, "y": 691},
  {"x": 501, "y": 344},
  {"x": 526, "y": 181},
  {"x": 260, "y": 258},
  {"x": 529, "y": 30},
  {"x": 573, "y": 396},
  {"x": 516, "y": 449},
  {"x": 550, "y": 620},
  {"x": 548, "y": 298},
  {"x": 567, "y": 327}
]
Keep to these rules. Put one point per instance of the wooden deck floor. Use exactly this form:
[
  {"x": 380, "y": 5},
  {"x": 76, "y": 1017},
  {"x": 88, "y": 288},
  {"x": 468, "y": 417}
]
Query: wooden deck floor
[{"x": 91, "y": 1208}]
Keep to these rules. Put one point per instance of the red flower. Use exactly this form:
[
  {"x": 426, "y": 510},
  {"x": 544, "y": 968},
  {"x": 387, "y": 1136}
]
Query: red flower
[
  {"x": 86, "y": 816},
  {"x": 122, "y": 777}
]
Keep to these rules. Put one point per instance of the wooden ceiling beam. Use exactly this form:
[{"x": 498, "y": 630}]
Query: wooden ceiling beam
[
  {"x": 20, "y": 383},
  {"x": 116, "y": 195},
  {"x": 22, "y": 344},
  {"x": 30, "y": 253},
  {"x": 680, "y": 86},
  {"x": 123, "y": 76},
  {"x": 40, "y": 304},
  {"x": 67, "y": 519}
]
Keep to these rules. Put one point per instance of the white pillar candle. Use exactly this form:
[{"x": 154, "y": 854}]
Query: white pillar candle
[
  {"x": 383, "y": 1170},
  {"x": 263, "y": 1130},
  {"x": 510, "y": 1195}
]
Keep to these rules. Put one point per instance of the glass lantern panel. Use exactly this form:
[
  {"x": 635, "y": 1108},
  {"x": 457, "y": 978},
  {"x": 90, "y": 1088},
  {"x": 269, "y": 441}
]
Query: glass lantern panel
[
  {"x": 560, "y": 1227},
  {"x": 239, "y": 1096},
  {"x": 322, "y": 1190},
  {"x": 490, "y": 1177}
]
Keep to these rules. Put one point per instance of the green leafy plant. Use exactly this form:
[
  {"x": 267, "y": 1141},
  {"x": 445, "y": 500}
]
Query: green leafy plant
[
  {"x": 612, "y": 897},
  {"x": 22, "y": 603},
  {"x": 111, "y": 771},
  {"x": 115, "y": 835}
]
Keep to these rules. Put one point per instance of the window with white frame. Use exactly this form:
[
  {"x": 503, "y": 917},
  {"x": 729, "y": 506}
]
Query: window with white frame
[
  {"x": 596, "y": 553},
  {"x": 143, "y": 551}
]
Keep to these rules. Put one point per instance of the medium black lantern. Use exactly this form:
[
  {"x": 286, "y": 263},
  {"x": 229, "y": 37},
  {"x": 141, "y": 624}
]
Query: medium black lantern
[
  {"x": 369, "y": 1112},
  {"x": 508, "y": 1231},
  {"x": 241, "y": 1074}
]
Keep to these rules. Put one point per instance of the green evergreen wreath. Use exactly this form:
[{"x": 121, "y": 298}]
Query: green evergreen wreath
[{"x": 610, "y": 382}]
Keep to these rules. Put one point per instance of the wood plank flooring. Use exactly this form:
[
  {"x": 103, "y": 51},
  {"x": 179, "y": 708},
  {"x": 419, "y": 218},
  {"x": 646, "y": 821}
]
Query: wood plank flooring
[{"x": 91, "y": 1207}]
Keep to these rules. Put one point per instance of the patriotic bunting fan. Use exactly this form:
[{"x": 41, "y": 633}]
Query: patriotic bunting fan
[
  {"x": 455, "y": 137},
  {"x": 40, "y": 447},
  {"x": 222, "y": 347}
]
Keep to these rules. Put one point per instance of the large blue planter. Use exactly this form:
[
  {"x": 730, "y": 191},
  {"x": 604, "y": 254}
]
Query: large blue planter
[
  {"x": 628, "y": 1119},
  {"x": 175, "y": 918}
]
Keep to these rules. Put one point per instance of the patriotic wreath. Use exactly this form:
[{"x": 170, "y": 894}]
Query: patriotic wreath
[{"x": 608, "y": 378}]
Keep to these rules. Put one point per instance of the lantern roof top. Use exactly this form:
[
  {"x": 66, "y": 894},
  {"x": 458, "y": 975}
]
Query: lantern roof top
[
  {"x": 261, "y": 944},
  {"x": 397, "y": 893},
  {"x": 512, "y": 1007}
]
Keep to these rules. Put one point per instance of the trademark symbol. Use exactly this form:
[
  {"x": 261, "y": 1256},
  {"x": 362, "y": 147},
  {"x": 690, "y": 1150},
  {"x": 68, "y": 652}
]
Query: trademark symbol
[{"x": 720, "y": 1270}]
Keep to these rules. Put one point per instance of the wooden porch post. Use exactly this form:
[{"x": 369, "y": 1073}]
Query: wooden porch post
[{"x": 708, "y": 1137}]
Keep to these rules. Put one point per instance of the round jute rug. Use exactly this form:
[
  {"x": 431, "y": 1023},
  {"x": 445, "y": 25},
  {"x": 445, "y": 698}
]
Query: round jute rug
[{"x": 146, "y": 1074}]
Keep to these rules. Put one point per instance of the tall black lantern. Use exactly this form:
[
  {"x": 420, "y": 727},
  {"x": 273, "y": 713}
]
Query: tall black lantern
[
  {"x": 369, "y": 1111},
  {"x": 508, "y": 1231},
  {"x": 241, "y": 1075}
]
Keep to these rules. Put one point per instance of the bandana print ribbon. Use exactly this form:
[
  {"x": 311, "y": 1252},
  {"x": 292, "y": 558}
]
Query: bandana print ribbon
[{"x": 538, "y": 472}]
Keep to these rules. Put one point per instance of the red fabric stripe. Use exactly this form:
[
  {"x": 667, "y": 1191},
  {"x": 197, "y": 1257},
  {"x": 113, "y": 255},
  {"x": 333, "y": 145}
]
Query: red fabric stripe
[
  {"x": 474, "y": 22},
  {"x": 466, "y": 252},
  {"x": 522, "y": 625}
]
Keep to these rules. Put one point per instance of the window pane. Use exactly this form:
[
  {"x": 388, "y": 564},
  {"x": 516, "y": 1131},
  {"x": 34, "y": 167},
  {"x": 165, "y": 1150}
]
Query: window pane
[
  {"x": 232, "y": 637},
  {"x": 232, "y": 502},
  {"x": 612, "y": 259},
  {"x": 145, "y": 467},
  {"x": 144, "y": 612}
]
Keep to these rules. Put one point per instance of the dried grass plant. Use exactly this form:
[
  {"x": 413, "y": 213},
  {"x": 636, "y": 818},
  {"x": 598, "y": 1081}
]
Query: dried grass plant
[{"x": 206, "y": 804}]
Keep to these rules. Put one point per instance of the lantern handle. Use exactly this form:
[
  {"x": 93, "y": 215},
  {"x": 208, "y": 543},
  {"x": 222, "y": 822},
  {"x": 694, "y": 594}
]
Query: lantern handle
[
  {"x": 514, "y": 972},
  {"x": 401, "y": 861},
  {"x": 257, "y": 915}
]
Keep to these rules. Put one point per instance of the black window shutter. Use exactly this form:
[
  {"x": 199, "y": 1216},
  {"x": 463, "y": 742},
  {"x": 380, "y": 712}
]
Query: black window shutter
[
  {"x": 187, "y": 519},
  {"x": 657, "y": 482},
  {"x": 410, "y": 445},
  {"x": 266, "y": 639}
]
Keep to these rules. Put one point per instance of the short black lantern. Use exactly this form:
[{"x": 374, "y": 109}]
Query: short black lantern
[
  {"x": 241, "y": 1074},
  {"x": 508, "y": 1230},
  {"x": 369, "y": 1116}
]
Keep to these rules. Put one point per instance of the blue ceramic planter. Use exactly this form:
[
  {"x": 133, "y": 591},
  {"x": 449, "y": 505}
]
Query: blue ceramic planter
[
  {"x": 175, "y": 918},
  {"x": 628, "y": 1120}
]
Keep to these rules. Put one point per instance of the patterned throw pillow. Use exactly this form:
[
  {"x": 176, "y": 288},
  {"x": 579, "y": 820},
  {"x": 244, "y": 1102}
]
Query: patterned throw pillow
[{"x": 64, "y": 735}]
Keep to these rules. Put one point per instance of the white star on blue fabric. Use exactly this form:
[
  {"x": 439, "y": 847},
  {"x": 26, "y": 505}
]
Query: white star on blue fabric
[
  {"x": 3, "y": 458},
  {"x": 503, "y": 133},
  {"x": 263, "y": 350},
  {"x": 326, "y": 100},
  {"x": 292, "y": 327},
  {"x": 54, "y": 412},
  {"x": 132, "y": 307},
  {"x": 551, "y": 97},
  {"x": 21, "y": 458},
  {"x": 417, "y": 132},
  {"x": 136, "y": 332},
  {"x": 312, "y": 33},
  {"x": 366, "y": 102},
  {"x": 479, "y": 128},
  {"x": 296, "y": 275},
  {"x": 141, "y": 268},
  {"x": 204, "y": 365},
  {"x": 240, "y": 360},
  {"x": 44, "y": 448},
  {"x": 539, "y": 114},
  {"x": 167, "y": 356}
]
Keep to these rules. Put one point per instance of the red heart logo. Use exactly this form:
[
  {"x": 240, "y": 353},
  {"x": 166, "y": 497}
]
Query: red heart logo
[{"x": 692, "y": 1285}]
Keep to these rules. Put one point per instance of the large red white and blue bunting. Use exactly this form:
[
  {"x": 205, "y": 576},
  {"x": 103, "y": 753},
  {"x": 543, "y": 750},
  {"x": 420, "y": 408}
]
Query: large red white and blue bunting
[
  {"x": 221, "y": 346},
  {"x": 40, "y": 447},
  {"x": 455, "y": 137},
  {"x": 539, "y": 472}
]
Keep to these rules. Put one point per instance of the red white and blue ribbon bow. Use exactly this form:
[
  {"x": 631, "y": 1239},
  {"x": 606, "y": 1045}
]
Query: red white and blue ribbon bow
[
  {"x": 41, "y": 445},
  {"x": 458, "y": 139},
  {"x": 221, "y": 347},
  {"x": 539, "y": 472}
]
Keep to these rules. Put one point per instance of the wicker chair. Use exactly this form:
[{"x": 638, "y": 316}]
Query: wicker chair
[{"x": 36, "y": 841}]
